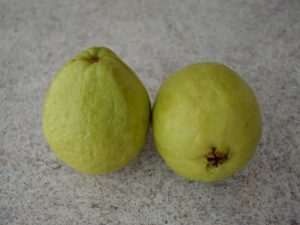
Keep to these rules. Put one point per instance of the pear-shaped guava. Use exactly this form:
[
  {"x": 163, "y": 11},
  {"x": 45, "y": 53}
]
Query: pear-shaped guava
[
  {"x": 206, "y": 122},
  {"x": 96, "y": 112}
]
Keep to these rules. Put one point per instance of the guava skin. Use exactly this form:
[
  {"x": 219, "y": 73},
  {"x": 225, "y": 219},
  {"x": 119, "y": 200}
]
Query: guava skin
[
  {"x": 206, "y": 122},
  {"x": 96, "y": 112}
]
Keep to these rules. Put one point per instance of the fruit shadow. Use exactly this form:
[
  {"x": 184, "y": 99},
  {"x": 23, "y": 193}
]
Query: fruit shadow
[
  {"x": 147, "y": 161},
  {"x": 149, "y": 164}
]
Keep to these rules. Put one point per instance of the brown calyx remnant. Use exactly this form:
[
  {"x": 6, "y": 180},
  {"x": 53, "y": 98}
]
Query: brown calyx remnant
[{"x": 215, "y": 158}]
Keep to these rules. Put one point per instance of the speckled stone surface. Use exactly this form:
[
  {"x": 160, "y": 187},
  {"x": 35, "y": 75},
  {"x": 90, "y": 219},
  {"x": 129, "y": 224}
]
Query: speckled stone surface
[{"x": 259, "y": 39}]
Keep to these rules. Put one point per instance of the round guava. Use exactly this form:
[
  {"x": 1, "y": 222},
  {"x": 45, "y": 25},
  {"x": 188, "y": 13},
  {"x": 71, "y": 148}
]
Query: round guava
[
  {"x": 206, "y": 122},
  {"x": 96, "y": 112}
]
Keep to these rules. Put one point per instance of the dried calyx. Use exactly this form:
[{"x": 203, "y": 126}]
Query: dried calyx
[{"x": 215, "y": 157}]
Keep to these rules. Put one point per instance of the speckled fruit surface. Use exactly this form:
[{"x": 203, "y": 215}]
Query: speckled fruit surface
[{"x": 96, "y": 112}]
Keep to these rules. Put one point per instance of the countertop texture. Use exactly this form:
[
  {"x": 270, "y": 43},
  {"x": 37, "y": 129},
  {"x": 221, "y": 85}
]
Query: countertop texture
[{"x": 258, "y": 39}]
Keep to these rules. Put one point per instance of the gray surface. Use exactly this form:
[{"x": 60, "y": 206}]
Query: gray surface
[{"x": 259, "y": 40}]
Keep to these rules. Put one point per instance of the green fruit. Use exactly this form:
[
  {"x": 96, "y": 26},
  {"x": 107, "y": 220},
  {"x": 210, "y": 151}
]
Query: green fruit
[
  {"x": 96, "y": 112},
  {"x": 206, "y": 122}
]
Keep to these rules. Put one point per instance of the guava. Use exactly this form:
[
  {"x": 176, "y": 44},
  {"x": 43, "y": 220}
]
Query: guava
[
  {"x": 96, "y": 112},
  {"x": 206, "y": 122}
]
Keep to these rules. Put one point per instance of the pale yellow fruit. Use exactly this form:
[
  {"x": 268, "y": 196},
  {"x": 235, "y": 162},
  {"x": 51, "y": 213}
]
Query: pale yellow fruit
[{"x": 206, "y": 122}]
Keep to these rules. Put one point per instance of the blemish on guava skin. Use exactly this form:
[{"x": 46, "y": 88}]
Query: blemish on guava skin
[
  {"x": 93, "y": 59},
  {"x": 215, "y": 157}
]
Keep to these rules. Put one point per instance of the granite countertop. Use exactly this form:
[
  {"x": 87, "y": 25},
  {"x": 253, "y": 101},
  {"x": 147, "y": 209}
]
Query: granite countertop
[{"x": 258, "y": 39}]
